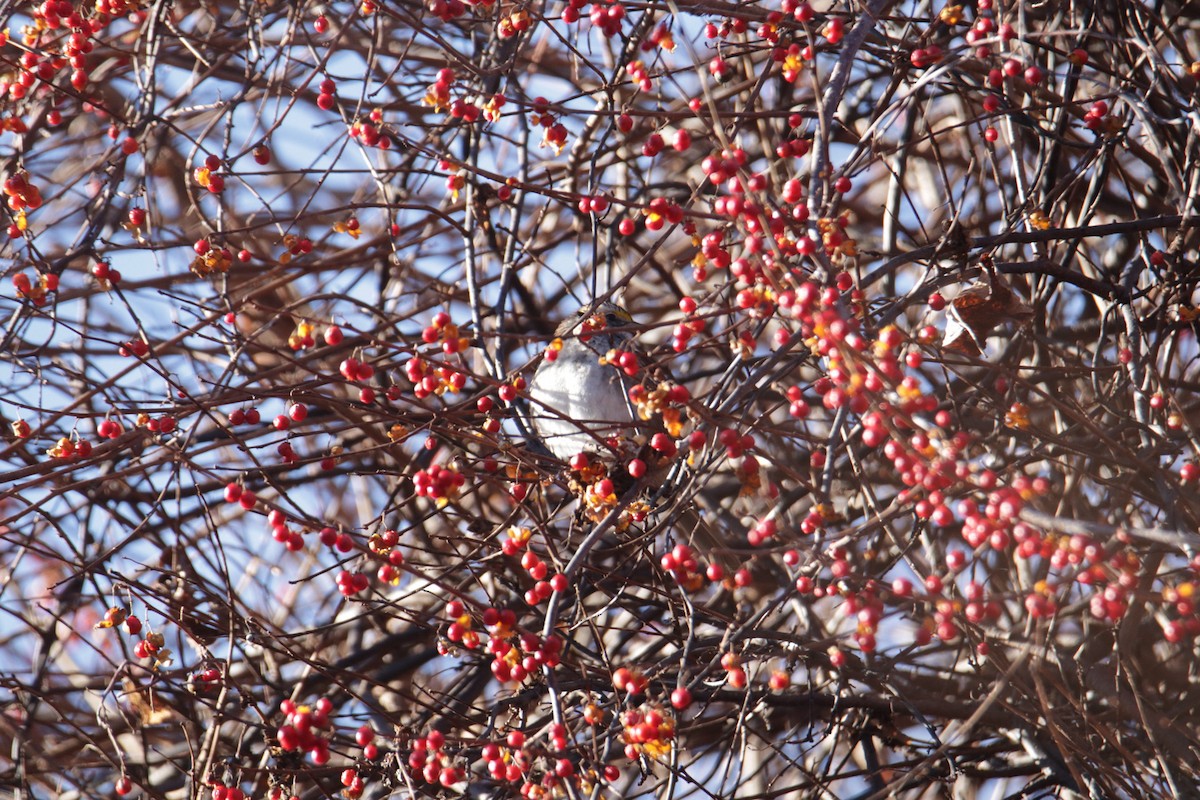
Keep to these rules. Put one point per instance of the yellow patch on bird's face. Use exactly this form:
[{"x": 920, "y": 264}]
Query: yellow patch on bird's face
[
  {"x": 620, "y": 314},
  {"x": 607, "y": 316}
]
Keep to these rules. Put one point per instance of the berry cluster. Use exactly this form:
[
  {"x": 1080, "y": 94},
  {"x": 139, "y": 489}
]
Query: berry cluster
[{"x": 307, "y": 729}]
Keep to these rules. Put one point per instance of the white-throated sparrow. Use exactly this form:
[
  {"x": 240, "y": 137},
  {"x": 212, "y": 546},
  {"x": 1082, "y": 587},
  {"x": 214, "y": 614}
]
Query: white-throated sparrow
[
  {"x": 581, "y": 396},
  {"x": 581, "y": 404}
]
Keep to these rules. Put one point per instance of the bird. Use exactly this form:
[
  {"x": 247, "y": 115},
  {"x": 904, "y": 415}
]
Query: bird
[
  {"x": 580, "y": 391},
  {"x": 581, "y": 402}
]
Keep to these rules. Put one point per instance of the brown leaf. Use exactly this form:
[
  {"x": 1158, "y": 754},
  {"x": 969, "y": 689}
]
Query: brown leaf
[
  {"x": 976, "y": 312},
  {"x": 144, "y": 702}
]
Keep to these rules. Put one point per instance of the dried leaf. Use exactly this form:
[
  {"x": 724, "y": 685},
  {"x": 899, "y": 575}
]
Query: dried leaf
[
  {"x": 149, "y": 709},
  {"x": 975, "y": 313}
]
